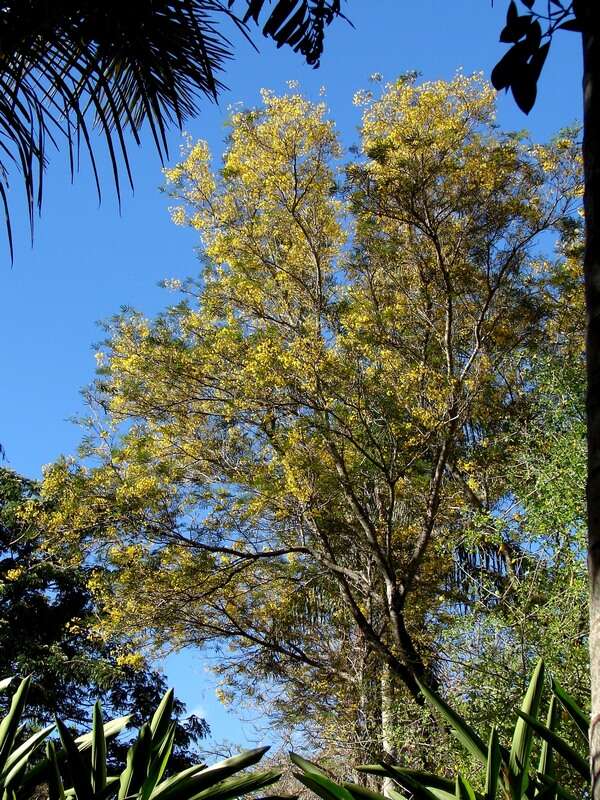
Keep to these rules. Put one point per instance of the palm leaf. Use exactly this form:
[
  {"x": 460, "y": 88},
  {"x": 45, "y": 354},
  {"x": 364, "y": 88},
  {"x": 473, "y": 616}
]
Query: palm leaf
[{"x": 67, "y": 66}]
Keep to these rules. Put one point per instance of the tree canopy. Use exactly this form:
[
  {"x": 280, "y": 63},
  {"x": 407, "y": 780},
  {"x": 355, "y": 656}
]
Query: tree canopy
[{"x": 289, "y": 464}]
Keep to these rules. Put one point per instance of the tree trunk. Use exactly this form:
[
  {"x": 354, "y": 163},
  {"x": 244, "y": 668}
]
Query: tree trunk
[
  {"x": 388, "y": 714},
  {"x": 588, "y": 14}
]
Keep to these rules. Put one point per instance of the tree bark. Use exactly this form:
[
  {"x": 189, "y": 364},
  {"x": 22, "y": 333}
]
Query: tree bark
[
  {"x": 588, "y": 14},
  {"x": 388, "y": 713}
]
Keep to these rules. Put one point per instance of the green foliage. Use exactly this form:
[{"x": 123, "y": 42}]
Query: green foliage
[
  {"x": 68, "y": 665},
  {"x": 541, "y": 608},
  {"x": 146, "y": 775},
  {"x": 78, "y": 768},
  {"x": 509, "y": 772},
  {"x": 19, "y": 774}
]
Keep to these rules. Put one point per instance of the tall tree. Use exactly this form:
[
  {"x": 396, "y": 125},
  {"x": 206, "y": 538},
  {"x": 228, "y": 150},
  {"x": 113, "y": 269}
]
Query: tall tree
[
  {"x": 310, "y": 428},
  {"x": 46, "y": 617},
  {"x": 68, "y": 64}
]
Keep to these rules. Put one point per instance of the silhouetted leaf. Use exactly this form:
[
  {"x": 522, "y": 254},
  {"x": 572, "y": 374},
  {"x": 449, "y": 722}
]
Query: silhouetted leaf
[
  {"x": 516, "y": 29},
  {"x": 509, "y": 66},
  {"x": 571, "y": 25}
]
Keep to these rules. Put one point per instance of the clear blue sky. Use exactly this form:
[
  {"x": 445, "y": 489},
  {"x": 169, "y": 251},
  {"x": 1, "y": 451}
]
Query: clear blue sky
[{"x": 88, "y": 261}]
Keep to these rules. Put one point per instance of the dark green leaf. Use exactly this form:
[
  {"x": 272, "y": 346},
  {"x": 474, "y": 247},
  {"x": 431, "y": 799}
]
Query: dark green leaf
[
  {"x": 570, "y": 755},
  {"x": 323, "y": 786},
  {"x": 469, "y": 739},
  {"x": 578, "y": 716},
  {"x": 79, "y": 769},
  {"x": 307, "y": 766},
  {"x": 98, "y": 750}
]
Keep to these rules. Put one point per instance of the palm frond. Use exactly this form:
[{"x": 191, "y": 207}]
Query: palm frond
[{"x": 72, "y": 65}]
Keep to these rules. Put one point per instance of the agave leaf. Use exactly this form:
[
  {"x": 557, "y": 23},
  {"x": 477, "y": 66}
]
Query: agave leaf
[
  {"x": 546, "y": 762},
  {"x": 37, "y": 774},
  {"x": 520, "y": 751},
  {"x": 361, "y": 792},
  {"x": 161, "y": 718},
  {"x": 560, "y": 791},
  {"x": 441, "y": 794},
  {"x": 372, "y": 769},
  {"x": 494, "y": 762},
  {"x": 111, "y": 728},
  {"x": 570, "y": 755},
  {"x": 417, "y": 789},
  {"x": 196, "y": 779},
  {"x": 236, "y": 786},
  {"x": 10, "y": 723},
  {"x": 26, "y": 749},
  {"x": 469, "y": 739},
  {"x": 13, "y": 779},
  {"x": 579, "y": 717},
  {"x": 464, "y": 790},
  {"x": 136, "y": 767},
  {"x": 56, "y": 790},
  {"x": 158, "y": 763},
  {"x": 322, "y": 786},
  {"x": 396, "y": 795},
  {"x": 186, "y": 777},
  {"x": 305, "y": 765},
  {"x": 110, "y": 790},
  {"x": 442, "y": 788},
  {"x": 5, "y": 683},
  {"x": 80, "y": 770},
  {"x": 427, "y": 779},
  {"x": 98, "y": 750}
]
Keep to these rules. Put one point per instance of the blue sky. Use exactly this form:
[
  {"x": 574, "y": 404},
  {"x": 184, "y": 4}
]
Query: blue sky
[{"x": 88, "y": 261}]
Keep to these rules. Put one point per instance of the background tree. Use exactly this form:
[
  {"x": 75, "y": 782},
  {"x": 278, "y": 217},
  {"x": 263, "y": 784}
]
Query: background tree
[
  {"x": 290, "y": 455},
  {"x": 519, "y": 70},
  {"x": 541, "y": 611},
  {"x": 68, "y": 64},
  {"x": 46, "y": 617}
]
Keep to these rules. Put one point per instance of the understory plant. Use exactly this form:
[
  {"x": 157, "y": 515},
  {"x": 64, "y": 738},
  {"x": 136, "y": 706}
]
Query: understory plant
[
  {"x": 508, "y": 773},
  {"x": 79, "y": 768}
]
